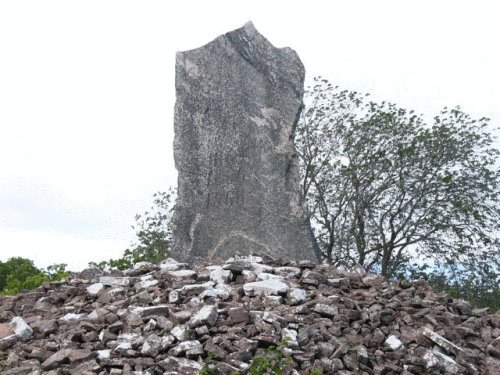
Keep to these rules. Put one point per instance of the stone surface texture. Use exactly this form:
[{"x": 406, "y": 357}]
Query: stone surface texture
[
  {"x": 238, "y": 103},
  {"x": 356, "y": 325}
]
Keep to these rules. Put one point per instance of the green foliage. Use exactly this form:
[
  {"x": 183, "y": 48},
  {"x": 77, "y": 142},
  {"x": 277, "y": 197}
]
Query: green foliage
[
  {"x": 57, "y": 271},
  {"x": 19, "y": 273},
  {"x": 153, "y": 232},
  {"x": 16, "y": 268},
  {"x": 480, "y": 287},
  {"x": 384, "y": 188},
  {"x": 4, "y": 363},
  {"x": 100, "y": 266},
  {"x": 206, "y": 369},
  {"x": 272, "y": 362}
]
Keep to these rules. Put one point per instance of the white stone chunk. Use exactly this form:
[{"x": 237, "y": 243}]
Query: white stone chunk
[
  {"x": 287, "y": 272},
  {"x": 213, "y": 268},
  {"x": 145, "y": 266},
  {"x": 174, "y": 297},
  {"x": 274, "y": 300},
  {"x": 208, "y": 293},
  {"x": 450, "y": 366},
  {"x": 144, "y": 284},
  {"x": 21, "y": 328},
  {"x": 183, "y": 347},
  {"x": 169, "y": 261},
  {"x": 263, "y": 276},
  {"x": 207, "y": 315},
  {"x": 249, "y": 259},
  {"x": 128, "y": 337},
  {"x": 249, "y": 276},
  {"x": 94, "y": 316},
  {"x": 127, "y": 341},
  {"x": 151, "y": 346},
  {"x": 255, "y": 259},
  {"x": 171, "y": 265},
  {"x": 197, "y": 287},
  {"x": 223, "y": 291},
  {"x": 434, "y": 358},
  {"x": 98, "y": 315},
  {"x": 182, "y": 274},
  {"x": 289, "y": 333},
  {"x": 258, "y": 268},
  {"x": 393, "y": 343},
  {"x": 94, "y": 289},
  {"x": 296, "y": 296},
  {"x": 150, "y": 326},
  {"x": 114, "y": 281},
  {"x": 180, "y": 332},
  {"x": 221, "y": 276},
  {"x": 166, "y": 341},
  {"x": 122, "y": 313},
  {"x": 242, "y": 263},
  {"x": 114, "y": 291},
  {"x": 362, "y": 354},
  {"x": 175, "y": 365},
  {"x": 72, "y": 317},
  {"x": 273, "y": 318},
  {"x": 103, "y": 354},
  {"x": 256, "y": 315},
  {"x": 269, "y": 287},
  {"x": 123, "y": 347},
  {"x": 195, "y": 303},
  {"x": 358, "y": 270}
]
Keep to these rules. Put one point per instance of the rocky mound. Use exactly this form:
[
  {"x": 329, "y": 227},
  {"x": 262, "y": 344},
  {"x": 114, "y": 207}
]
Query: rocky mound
[{"x": 166, "y": 319}]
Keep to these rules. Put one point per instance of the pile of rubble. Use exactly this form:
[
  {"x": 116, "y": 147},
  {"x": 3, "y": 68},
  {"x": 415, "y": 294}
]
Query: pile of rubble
[{"x": 167, "y": 319}]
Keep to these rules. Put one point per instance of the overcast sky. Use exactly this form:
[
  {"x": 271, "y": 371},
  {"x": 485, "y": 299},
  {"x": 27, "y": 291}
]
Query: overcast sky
[{"x": 87, "y": 96}]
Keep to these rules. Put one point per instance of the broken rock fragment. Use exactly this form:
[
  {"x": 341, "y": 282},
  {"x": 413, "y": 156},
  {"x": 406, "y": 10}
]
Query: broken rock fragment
[
  {"x": 269, "y": 287},
  {"x": 207, "y": 315},
  {"x": 348, "y": 327}
]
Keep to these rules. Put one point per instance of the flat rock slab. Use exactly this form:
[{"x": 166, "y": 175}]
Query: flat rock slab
[
  {"x": 238, "y": 103},
  {"x": 114, "y": 281},
  {"x": 441, "y": 341},
  {"x": 6, "y": 330},
  {"x": 269, "y": 287}
]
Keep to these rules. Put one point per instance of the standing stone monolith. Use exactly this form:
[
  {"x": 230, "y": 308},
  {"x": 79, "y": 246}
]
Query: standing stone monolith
[{"x": 238, "y": 102}]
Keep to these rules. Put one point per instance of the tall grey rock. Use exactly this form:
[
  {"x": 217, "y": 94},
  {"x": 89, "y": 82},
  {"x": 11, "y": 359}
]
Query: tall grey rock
[{"x": 238, "y": 102}]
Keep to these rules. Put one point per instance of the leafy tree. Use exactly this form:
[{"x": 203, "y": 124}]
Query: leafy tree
[
  {"x": 153, "y": 232},
  {"x": 16, "y": 268},
  {"x": 480, "y": 285},
  {"x": 385, "y": 189},
  {"x": 57, "y": 271},
  {"x": 20, "y": 273}
]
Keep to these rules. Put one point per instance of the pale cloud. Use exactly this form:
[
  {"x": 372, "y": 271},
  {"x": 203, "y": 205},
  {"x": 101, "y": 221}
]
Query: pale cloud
[
  {"x": 34, "y": 204},
  {"x": 46, "y": 248},
  {"x": 87, "y": 94}
]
